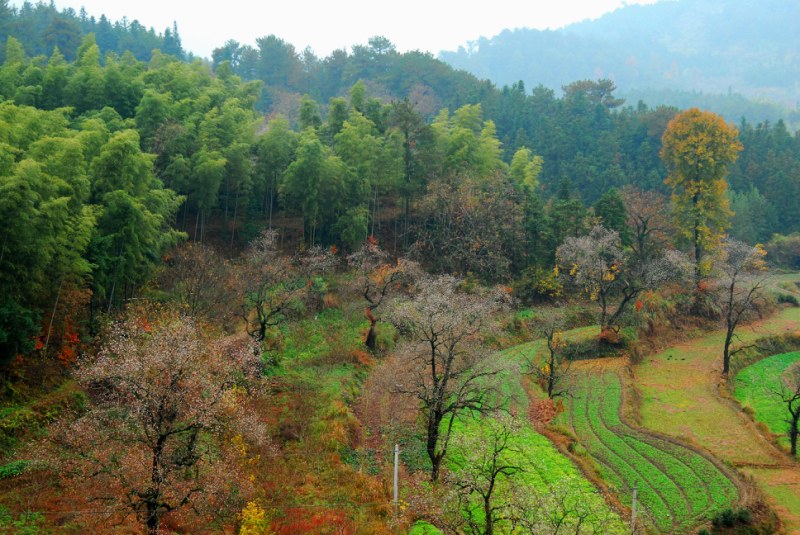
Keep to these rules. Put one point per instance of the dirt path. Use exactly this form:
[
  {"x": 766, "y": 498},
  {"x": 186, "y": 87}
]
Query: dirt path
[{"x": 681, "y": 398}]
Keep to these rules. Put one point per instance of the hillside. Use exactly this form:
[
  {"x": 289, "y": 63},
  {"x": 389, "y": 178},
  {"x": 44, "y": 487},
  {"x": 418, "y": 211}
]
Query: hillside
[
  {"x": 685, "y": 46},
  {"x": 230, "y": 290}
]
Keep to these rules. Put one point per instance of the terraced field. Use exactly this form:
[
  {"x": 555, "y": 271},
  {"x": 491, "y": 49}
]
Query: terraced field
[
  {"x": 680, "y": 397},
  {"x": 546, "y": 470},
  {"x": 678, "y": 487},
  {"x": 755, "y": 387}
]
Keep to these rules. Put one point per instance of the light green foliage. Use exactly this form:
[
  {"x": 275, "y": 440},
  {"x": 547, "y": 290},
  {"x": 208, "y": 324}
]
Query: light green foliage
[
  {"x": 525, "y": 169},
  {"x": 468, "y": 145},
  {"x": 757, "y": 385}
]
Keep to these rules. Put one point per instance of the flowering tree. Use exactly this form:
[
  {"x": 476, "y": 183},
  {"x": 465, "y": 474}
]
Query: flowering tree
[
  {"x": 160, "y": 394},
  {"x": 446, "y": 367},
  {"x": 741, "y": 275},
  {"x": 598, "y": 265}
]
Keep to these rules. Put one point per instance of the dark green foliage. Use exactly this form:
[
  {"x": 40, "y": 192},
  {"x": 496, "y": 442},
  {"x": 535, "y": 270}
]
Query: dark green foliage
[
  {"x": 728, "y": 518},
  {"x": 18, "y": 329},
  {"x": 613, "y": 216},
  {"x": 41, "y": 28}
]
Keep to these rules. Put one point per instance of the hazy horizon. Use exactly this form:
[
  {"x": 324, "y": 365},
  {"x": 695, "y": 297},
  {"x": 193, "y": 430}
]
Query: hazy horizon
[{"x": 427, "y": 26}]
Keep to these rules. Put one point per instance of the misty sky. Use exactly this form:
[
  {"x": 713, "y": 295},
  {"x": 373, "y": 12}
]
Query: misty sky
[{"x": 324, "y": 25}]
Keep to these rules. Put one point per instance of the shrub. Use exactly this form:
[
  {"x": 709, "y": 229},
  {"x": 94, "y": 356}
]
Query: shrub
[
  {"x": 13, "y": 469},
  {"x": 538, "y": 285},
  {"x": 787, "y": 298},
  {"x": 728, "y": 518},
  {"x": 784, "y": 251}
]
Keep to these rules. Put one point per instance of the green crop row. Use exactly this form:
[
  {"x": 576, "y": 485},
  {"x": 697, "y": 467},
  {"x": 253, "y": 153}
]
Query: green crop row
[
  {"x": 656, "y": 492},
  {"x": 678, "y": 487}
]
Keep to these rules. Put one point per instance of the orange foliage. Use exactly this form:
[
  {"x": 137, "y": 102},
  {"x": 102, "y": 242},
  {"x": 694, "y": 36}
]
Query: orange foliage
[
  {"x": 70, "y": 340},
  {"x": 307, "y": 520}
]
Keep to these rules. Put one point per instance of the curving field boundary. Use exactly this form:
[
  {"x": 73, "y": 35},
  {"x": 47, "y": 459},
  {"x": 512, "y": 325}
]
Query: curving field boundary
[{"x": 677, "y": 486}]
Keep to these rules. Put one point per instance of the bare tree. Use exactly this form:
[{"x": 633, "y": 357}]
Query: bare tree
[
  {"x": 448, "y": 369},
  {"x": 553, "y": 372},
  {"x": 378, "y": 279},
  {"x": 270, "y": 283},
  {"x": 741, "y": 274},
  {"x": 561, "y": 510},
  {"x": 160, "y": 391},
  {"x": 485, "y": 459},
  {"x": 789, "y": 394},
  {"x": 199, "y": 278},
  {"x": 649, "y": 219}
]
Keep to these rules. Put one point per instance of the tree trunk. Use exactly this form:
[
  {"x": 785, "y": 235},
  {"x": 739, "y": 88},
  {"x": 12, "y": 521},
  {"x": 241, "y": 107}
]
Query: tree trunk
[
  {"x": 726, "y": 352},
  {"x": 152, "y": 519},
  {"x": 371, "y": 341},
  {"x": 432, "y": 440},
  {"x": 697, "y": 249}
]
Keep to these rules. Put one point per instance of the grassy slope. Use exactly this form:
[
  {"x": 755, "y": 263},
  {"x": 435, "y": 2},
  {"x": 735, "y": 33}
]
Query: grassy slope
[
  {"x": 680, "y": 398},
  {"x": 756, "y": 386}
]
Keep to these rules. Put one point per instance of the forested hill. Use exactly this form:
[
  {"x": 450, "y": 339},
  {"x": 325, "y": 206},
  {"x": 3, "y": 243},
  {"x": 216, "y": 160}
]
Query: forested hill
[
  {"x": 41, "y": 28},
  {"x": 709, "y": 46}
]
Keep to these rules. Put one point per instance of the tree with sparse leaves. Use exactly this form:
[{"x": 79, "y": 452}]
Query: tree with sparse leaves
[
  {"x": 741, "y": 275},
  {"x": 487, "y": 459},
  {"x": 551, "y": 372},
  {"x": 161, "y": 392},
  {"x": 378, "y": 279},
  {"x": 446, "y": 366}
]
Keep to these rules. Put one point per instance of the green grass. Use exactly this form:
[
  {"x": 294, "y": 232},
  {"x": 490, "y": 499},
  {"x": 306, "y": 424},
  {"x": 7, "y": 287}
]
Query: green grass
[
  {"x": 677, "y": 487},
  {"x": 424, "y": 528},
  {"x": 546, "y": 469},
  {"x": 755, "y": 387}
]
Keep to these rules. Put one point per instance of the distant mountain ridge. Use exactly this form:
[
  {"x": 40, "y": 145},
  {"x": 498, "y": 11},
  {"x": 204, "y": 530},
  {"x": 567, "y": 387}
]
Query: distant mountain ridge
[{"x": 709, "y": 46}]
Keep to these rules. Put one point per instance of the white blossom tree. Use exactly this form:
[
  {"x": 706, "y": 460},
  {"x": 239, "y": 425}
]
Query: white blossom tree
[
  {"x": 161, "y": 394},
  {"x": 447, "y": 368},
  {"x": 607, "y": 273}
]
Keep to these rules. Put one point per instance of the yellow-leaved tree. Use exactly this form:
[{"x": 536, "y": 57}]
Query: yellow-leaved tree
[{"x": 697, "y": 148}]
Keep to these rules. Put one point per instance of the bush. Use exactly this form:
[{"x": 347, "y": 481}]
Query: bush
[
  {"x": 784, "y": 251},
  {"x": 537, "y": 285},
  {"x": 728, "y": 518},
  {"x": 787, "y": 298},
  {"x": 13, "y": 469}
]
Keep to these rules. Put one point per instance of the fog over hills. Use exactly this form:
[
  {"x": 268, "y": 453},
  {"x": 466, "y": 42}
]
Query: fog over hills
[{"x": 662, "y": 51}]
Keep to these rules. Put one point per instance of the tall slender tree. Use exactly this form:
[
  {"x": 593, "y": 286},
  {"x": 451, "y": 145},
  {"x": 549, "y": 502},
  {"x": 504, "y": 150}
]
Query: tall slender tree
[{"x": 697, "y": 148}]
